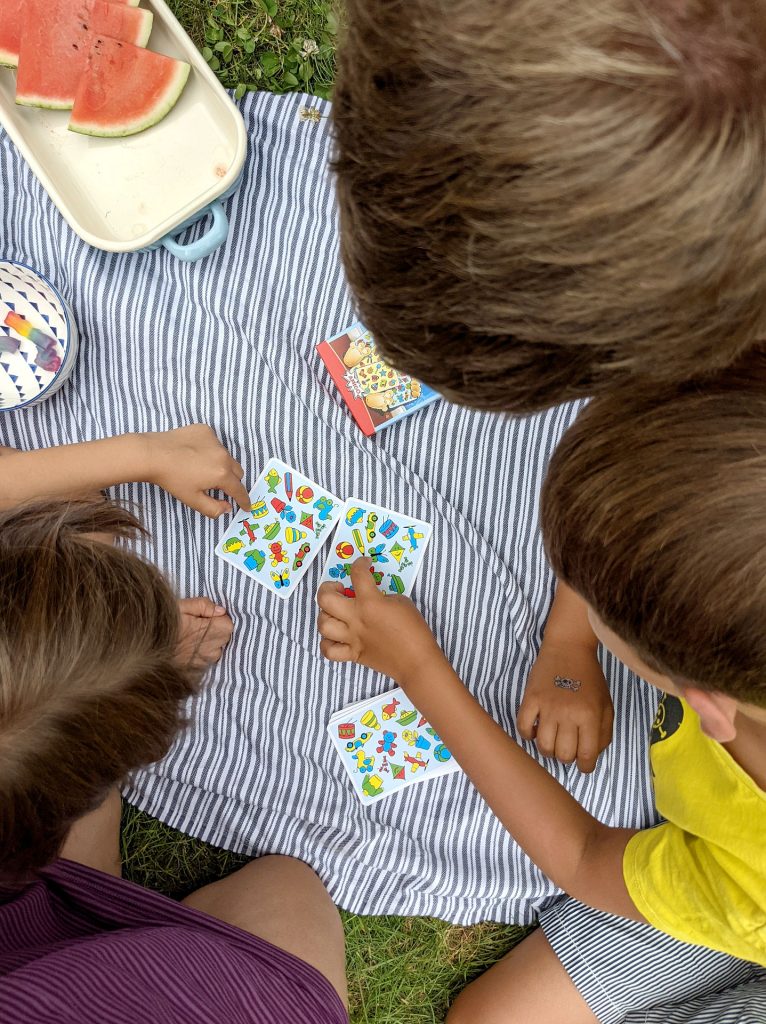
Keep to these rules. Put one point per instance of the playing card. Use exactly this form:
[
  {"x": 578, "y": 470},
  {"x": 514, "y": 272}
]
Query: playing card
[
  {"x": 394, "y": 542},
  {"x": 278, "y": 538},
  {"x": 385, "y": 744}
]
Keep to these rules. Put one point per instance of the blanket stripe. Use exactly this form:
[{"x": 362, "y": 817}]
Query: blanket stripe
[{"x": 230, "y": 341}]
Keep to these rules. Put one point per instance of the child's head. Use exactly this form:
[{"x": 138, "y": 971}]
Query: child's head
[
  {"x": 540, "y": 198},
  {"x": 654, "y": 511},
  {"x": 89, "y": 688}
]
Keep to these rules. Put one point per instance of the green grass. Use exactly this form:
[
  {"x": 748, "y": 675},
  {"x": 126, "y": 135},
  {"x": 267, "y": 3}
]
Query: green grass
[
  {"x": 401, "y": 970},
  {"x": 279, "y": 45}
]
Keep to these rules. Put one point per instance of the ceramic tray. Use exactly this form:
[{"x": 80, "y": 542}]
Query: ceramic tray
[{"x": 127, "y": 194}]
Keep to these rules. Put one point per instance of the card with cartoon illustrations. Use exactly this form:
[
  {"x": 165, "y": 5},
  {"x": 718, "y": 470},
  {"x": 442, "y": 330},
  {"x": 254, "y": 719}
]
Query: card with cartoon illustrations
[
  {"x": 278, "y": 538},
  {"x": 376, "y": 393},
  {"x": 394, "y": 542},
  {"x": 386, "y": 745}
]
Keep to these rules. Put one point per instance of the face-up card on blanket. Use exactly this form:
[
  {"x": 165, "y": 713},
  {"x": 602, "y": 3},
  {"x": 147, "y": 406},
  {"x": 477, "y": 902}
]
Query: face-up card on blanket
[
  {"x": 277, "y": 539},
  {"x": 394, "y": 542},
  {"x": 385, "y": 745}
]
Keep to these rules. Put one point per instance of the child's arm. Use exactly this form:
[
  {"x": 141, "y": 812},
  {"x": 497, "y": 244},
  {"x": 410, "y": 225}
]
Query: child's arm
[
  {"x": 567, "y": 708},
  {"x": 187, "y": 462},
  {"x": 388, "y": 634}
]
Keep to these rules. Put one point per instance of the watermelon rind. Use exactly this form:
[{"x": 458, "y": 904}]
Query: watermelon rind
[
  {"x": 161, "y": 109},
  {"x": 146, "y": 28},
  {"x": 8, "y": 59}
]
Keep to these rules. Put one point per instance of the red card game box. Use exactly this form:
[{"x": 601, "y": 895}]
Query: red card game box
[{"x": 376, "y": 394}]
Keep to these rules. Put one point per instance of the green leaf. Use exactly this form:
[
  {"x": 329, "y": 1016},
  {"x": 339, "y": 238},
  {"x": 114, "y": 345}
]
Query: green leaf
[
  {"x": 289, "y": 79},
  {"x": 323, "y": 91},
  {"x": 221, "y": 46},
  {"x": 249, "y": 46},
  {"x": 214, "y": 63},
  {"x": 269, "y": 63},
  {"x": 240, "y": 91},
  {"x": 269, "y": 6},
  {"x": 325, "y": 51},
  {"x": 243, "y": 34},
  {"x": 207, "y": 53},
  {"x": 331, "y": 23},
  {"x": 305, "y": 71}
]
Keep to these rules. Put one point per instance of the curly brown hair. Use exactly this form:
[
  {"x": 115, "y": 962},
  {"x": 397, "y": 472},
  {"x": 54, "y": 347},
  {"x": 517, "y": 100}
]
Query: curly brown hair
[
  {"x": 89, "y": 685},
  {"x": 542, "y": 198}
]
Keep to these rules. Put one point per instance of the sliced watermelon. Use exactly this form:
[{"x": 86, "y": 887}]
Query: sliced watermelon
[
  {"x": 10, "y": 31},
  {"x": 124, "y": 89},
  {"x": 55, "y": 41}
]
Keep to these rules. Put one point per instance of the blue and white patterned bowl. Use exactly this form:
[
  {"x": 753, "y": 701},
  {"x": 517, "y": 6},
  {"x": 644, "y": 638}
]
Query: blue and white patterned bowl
[{"x": 24, "y": 291}]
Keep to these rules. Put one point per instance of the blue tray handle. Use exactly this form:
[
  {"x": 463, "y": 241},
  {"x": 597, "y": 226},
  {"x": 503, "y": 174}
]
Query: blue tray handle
[{"x": 202, "y": 246}]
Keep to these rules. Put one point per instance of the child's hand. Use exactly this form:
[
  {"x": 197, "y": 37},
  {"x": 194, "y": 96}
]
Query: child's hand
[
  {"x": 387, "y": 634},
  {"x": 189, "y": 462},
  {"x": 567, "y": 720},
  {"x": 205, "y": 631}
]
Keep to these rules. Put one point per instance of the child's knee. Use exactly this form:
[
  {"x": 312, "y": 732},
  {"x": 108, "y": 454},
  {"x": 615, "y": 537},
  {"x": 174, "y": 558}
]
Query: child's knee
[{"x": 468, "y": 1008}]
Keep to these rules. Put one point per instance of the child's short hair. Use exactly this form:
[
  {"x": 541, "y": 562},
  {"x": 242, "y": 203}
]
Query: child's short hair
[
  {"x": 540, "y": 198},
  {"x": 654, "y": 510},
  {"x": 89, "y": 685}
]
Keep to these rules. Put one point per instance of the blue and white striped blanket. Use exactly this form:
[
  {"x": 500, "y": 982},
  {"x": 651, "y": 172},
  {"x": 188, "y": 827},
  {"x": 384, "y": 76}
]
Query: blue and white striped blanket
[{"x": 230, "y": 341}]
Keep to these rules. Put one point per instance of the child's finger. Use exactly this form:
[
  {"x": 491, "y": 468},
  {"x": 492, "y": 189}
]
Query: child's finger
[
  {"x": 202, "y": 607},
  {"x": 607, "y": 725},
  {"x": 587, "y": 749},
  {"x": 335, "y": 651},
  {"x": 361, "y": 577},
  {"x": 237, "y": 491},
  {"x": 566, "y": 742},
  {"x": 546, "y": 737},
  {"x": 332, "y": 629},
  {"x": 331, "y": 599},
  {"x": 207, "y": 505},
  {"x": 526, "y": 720}
]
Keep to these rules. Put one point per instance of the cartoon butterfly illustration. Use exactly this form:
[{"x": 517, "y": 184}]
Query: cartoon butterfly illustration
[{"x": 281, "y": 579}]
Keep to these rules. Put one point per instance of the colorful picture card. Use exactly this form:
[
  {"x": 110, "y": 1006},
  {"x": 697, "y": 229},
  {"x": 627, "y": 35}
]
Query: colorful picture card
[
  {"x": 376, "y": 394},
  {"x": 278, "y": 538},
  {"x": 385, "y": 745},
  {"x": 394, "y": 542}
]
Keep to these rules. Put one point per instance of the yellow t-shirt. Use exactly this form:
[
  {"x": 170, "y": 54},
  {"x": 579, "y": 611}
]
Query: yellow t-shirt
[{"x": 700, "y": 875}]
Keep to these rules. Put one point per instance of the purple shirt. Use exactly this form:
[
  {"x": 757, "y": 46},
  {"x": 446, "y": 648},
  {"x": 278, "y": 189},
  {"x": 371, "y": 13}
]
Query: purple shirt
[{"x": 78, "y": 946}]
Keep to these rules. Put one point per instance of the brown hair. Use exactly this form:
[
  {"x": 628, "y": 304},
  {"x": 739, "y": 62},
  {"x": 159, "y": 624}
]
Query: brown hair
[
  {"x": 541, "y": 199},
  {"x": 654, "y": 510},
  {"x": 89, "y": 688}
]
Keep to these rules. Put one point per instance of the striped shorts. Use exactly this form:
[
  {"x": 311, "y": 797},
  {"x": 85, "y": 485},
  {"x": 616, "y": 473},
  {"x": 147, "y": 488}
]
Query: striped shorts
[{"x": 629, "y": 971}]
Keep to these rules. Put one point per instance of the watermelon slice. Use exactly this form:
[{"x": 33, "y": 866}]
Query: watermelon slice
[
  {"x": 10, "y": 32},
  {"x": 124, "y": 89},
  {"x": 56, "y": 38},
  {"x": 11, "y": 18}
]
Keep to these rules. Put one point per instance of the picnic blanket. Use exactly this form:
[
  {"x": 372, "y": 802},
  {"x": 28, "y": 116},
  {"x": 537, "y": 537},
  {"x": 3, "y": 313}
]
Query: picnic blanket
[{"x": 230, "y": 341}]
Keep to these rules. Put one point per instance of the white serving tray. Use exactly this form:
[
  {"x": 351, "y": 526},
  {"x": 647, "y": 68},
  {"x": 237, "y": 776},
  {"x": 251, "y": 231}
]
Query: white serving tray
[{"x": 125, "y": 194}]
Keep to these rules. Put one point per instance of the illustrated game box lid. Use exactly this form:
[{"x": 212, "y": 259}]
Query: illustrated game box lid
[{"x": 376, "y": 394}]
